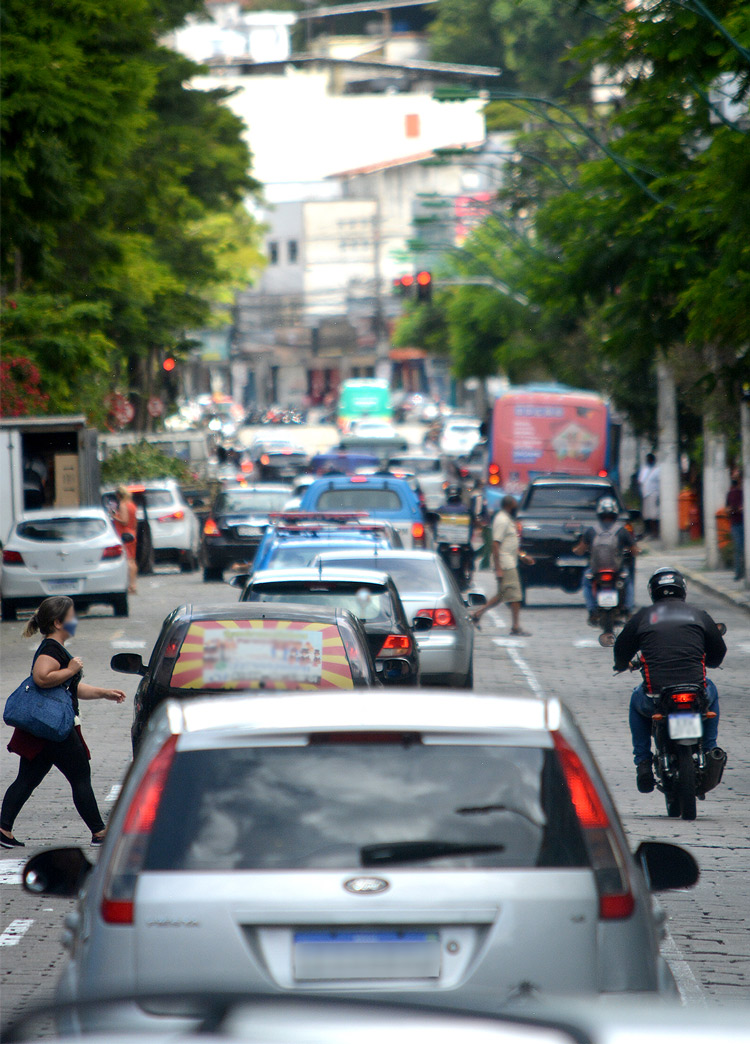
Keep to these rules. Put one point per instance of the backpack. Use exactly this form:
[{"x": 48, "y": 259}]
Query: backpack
[{"x": 605, "y": 548}]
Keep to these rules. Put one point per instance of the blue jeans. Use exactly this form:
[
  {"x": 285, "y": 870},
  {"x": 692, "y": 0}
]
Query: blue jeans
[
  {"x": 642, "y": 708},
  {"x": 588, "y": 594},
  {"x": 738, "y": 541}
]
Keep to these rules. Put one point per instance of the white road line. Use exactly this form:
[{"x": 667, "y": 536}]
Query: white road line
[
  {"x": 512, "y": 646},
  {"x": 127, "y": 643},
  {"x": 114, "y": 792},
  {"x": 10, "y": 870},
  {"x": 496, "y": 618},
  {"x": 16, "y": 931},
  {"x": 690, "y": 989}
]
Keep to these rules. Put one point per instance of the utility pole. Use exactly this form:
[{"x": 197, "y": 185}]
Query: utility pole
[
  {"x": 714, "y": 486},
  {"x": 669, "y": 464},
  {"x": 745, "y": 423},
  {"x": 382, "y": 344}
]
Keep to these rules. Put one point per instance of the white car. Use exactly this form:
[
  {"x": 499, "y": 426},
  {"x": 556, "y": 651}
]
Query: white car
[
  {"x": 173, "y": 526},
  {"x": 64, "y": 551},
  {"x": 460, "y": 436},
  {"x": 370, "y": 429}
]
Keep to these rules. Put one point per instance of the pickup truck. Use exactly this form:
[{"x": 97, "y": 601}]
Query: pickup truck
[{"x": 554, "y": 511}]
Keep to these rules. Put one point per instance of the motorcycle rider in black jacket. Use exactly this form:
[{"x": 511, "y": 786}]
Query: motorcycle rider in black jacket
[{"x": 677, "y": 641}]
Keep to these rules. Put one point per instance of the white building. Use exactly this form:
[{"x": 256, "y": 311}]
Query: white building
[{"x": 231, "y": 32}]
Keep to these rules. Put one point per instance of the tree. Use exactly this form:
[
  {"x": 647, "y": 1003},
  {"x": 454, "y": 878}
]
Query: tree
[{"x": 19, "y": 388}]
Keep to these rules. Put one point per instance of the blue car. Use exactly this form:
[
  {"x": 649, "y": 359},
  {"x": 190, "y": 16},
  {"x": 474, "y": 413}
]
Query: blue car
[{"x": 380, "y": 497}]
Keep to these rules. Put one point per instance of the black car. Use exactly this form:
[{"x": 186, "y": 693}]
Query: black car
[
  {"x": 371, "y": 596},
  {"x": 553, "y": 514},
  {"x": 235, "y": 527},
  {"x": 247, "y": 647},
  {"x": 277, "y": 460}
]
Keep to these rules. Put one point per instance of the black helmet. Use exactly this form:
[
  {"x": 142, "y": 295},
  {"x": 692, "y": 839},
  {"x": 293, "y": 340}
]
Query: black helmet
[
  {"x": 453, "y": 492},
  {"x": 667, "y": 583}
]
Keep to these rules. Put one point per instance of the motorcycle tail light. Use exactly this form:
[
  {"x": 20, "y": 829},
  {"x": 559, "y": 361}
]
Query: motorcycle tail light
[
  {"x": 417, "y": 533},
  {"x": 115, "y": 551},
  {"x": 616, "y": 901},
  {"x": 607, "y": 575},
  {"x": 210, "y": 528},
  {"x": 395, "y": 645},
  {"x": 683, "y": 698}
]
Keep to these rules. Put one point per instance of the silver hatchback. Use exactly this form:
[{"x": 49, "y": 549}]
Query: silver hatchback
[{"x": 457, "y": 849}]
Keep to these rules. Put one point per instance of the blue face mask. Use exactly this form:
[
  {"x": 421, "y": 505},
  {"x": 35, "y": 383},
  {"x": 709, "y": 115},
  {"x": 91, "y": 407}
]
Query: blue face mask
[{"x": 71, "y": 626}]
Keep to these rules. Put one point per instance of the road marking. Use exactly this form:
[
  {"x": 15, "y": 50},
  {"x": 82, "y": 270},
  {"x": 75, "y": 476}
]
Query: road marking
[
  {"x": 16, "y": 931},
  {"x": 512, "y": 645},
  {"x": 496, "y": 618},
  {"x": 114, "y": 792},
  {"x": 127, "y": 643},
  {"x": 586, "y": 643},
  {"x": 10, "y": 870},
  {"x": 691, "y": 991},
  {"x": 744, "y": 646}
]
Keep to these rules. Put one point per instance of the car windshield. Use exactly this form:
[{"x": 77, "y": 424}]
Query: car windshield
[
  {"x": 410, "y": 575},
  {"x": 347, "y": 805},
  {"x": 566, "y": 497},
  {"x": 287, "y": 556},
  {"x": 228, "y": 655},
  {"x": 250, "y": 501},
  {"x": 368, "y": 603},
  {"x": 63, "y": 530},
  {"x": 359, "y": 498}
]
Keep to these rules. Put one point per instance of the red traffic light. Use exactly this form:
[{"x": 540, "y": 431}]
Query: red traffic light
[
  {"x": 424, "y": 278},
  {"x": 407, "y": 280},
  {"x": 168, "y": 364}
]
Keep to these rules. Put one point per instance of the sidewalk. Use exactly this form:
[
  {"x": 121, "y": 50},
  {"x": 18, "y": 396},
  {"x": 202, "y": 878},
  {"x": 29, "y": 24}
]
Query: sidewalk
[{"x": 690, "y": 559}]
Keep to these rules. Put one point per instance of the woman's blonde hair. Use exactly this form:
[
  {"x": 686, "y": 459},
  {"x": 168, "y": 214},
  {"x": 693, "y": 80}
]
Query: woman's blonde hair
[
  {"x": 123, "y": 493},
  {"x": 51, "y": 611}
]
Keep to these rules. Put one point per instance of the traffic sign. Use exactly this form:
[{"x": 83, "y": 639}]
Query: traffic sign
[{"x": 155, "y": 406}]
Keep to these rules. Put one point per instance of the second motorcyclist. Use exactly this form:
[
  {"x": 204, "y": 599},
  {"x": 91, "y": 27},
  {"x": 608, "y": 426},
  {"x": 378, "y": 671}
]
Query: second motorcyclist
[
  {"x": 610, "y": 545},
  {"x": 454, "y": 527}
]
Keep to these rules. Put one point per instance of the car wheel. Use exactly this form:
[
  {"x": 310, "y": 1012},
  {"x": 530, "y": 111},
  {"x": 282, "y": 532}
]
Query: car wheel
[
  {"x": 120, "y": 605},
  {"x": 8, "y": 610},
  {"x": 188, "y": 562},
  {"x": 212, "y": 574},
  {"x": 145, "y": 552}
]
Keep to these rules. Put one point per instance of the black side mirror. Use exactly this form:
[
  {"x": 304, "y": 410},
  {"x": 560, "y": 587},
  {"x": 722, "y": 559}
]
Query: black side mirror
[
  {"x": 421, "y": 623},
  {"x": 721, "y": 628},
  {"x": 127, "y": 663},
  {"x": 58, "y": 871},
  {"x": 666, "y": 866},
  {"x": 392, "y": 671},
  {"x": 475, "y": 598},
  {"x": 127, "y": 538},
  {"x": 239, "y": 580}
]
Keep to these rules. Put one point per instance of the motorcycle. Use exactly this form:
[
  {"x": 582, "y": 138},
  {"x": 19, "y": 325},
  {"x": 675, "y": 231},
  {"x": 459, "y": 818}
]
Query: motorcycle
[
  {"x": 684, "y": 771},
  {"x": 608, "y": 587},
  {"x": 460, "y": 560}
]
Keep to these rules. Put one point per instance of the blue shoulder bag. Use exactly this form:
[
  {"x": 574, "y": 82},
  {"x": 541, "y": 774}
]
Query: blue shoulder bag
[{"x": 45, "y": 713}]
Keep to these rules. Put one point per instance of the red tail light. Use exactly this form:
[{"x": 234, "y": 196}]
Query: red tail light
[
  {"x": 683, "y": 697},
  {"x": 494, "y": 474},
  {"x": 616, "y": 900},
  {"x": 603, "y": 473},
  {"x": 12, "y": 558},
  {"x": 395, "y": 645},
  {"x": 127, "y": 860},
  {"x": 210, "y": 528},
  {"x": 115, "y": 551},
  {"x": 358, "y": 478},
  {"x": 417, "y": 532},
  {"x": 439, "y": 617},
  {"x": 246, "y": 466},
  {"x": 606, "y": 575},
  {"x": 175, "y": 516}
]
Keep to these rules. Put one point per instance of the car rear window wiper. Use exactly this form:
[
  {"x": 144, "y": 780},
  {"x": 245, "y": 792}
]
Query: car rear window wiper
[{"x": 416, "y": 851}]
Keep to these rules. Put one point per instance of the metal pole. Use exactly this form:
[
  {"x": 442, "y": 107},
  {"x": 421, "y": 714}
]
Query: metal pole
[
  {"x": 669, "y": 465},
  {"x": 745, "y": 424}
]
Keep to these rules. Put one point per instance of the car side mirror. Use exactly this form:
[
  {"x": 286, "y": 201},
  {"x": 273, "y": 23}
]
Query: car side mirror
[
  {"x": 239, "y": 580},
  {"x": 666, "y": 866},
  {"x": 128, "y": 663},
  {"x": 392, "y": 671},
  {"x": 58, "y": 871},
  {"x": 475, "y": 598},
  {"x": 421, "y": 623}
]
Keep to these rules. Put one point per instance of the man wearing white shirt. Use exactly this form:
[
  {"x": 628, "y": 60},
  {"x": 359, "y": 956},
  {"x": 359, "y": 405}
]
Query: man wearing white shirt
[{"x": 648, "y": 480}]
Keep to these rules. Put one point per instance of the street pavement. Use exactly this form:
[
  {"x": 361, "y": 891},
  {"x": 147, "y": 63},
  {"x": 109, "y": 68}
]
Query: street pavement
[{"x": 709, "y": 940}]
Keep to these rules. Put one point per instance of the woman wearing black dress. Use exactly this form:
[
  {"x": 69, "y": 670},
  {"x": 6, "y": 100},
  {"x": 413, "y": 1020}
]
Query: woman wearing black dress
[{"x": 53, "y": 665}]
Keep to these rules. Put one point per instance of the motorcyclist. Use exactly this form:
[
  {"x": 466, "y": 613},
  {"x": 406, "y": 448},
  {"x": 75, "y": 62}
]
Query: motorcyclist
[
  {"x": 445, "y": 532},
  {"x": 608, "y": 532},
  {"x": 677, "y": 641}
]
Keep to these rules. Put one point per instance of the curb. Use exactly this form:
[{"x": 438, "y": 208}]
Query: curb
[{"x": 731, "y": 597}]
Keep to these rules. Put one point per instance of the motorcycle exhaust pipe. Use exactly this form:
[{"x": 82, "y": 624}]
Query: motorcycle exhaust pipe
[{"x": 716, "y": 759}]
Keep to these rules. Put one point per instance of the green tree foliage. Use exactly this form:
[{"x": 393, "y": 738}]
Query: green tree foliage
[{"x": 143, "y": 461}]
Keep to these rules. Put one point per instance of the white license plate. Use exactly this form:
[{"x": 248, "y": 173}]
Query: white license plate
[
  {"x": 607, "y": 599},
  {"x": 369, "y": 954},
  {"x": 68, "y": 586},
  {"x": 685, "y": 726},
  {"x": 248, "y": 531}
]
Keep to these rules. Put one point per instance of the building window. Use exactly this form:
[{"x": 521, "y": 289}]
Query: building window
[
  {"x": 411, "y": 122},
  {"x": 273, "y": 253},
  {"x": 292, "y": 249}
]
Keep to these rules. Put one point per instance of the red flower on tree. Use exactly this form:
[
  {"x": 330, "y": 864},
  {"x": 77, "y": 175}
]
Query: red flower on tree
[{"x": 20, "y": 393}]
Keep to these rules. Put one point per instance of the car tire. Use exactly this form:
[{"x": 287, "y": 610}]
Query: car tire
[
  {"x": 145, "y": 553},
  {"x": 8, "y": 610},
  {"x": 211, "y": 574},
  {"x": 120, "y": 605},
  {"x": 188, "y": 562}
]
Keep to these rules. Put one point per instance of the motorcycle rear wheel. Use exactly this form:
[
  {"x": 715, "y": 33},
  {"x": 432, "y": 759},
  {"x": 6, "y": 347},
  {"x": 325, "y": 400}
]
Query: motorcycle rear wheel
[
  {"x": 672, "y": 800},
  {"x": 686, "y": 782}
]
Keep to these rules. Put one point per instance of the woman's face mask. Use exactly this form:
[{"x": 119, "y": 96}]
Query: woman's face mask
[{"x": 71, "y": 625}]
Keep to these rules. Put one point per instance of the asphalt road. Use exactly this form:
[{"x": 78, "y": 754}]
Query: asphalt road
[{"x": 709, "y": 940}]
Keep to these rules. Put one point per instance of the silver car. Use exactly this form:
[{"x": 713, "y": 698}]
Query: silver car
[
  {"x": 456, "y": 849},
  {"x": 426, "y": 587}
]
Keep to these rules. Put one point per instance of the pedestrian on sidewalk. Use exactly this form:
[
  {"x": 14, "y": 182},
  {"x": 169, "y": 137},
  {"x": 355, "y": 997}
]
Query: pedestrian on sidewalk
[
  {"x": 737, "y": 522},
  {"x": 505, "y": 556},
  {"x": 125, "y": 520},
  {"x": 54, "y": 666},
  {"x": 648, "y": 481}
]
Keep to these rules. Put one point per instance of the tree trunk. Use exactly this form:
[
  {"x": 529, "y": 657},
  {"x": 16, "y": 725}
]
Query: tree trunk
[
  {"x": 745, "y": 421},
  {"x": 715, "y": 484},
  {"x": 669, "y": 463}
]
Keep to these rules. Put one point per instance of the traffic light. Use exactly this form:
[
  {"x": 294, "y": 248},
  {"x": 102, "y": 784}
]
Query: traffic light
[
  {"x": 424, "y": 286},
  {"x": 169, "y": 364},
  {"x": 404, "y": 285}
]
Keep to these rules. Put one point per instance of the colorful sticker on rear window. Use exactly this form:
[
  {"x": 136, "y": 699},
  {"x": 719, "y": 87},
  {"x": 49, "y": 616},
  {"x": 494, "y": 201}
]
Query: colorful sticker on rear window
[{"x": 261, "y": 654}]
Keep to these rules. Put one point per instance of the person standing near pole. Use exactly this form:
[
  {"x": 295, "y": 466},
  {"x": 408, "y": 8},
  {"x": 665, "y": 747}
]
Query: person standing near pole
[
  {"x": 737, "y": 522},
  {"x": 648, "y": 480},
  {"x": 505, "y": 556}
]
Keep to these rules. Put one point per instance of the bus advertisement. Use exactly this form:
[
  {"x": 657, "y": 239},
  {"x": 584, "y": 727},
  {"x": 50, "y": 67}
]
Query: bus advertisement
[
  {"x": 363, "y": 397},
  {"x": 547, "y": 430}
]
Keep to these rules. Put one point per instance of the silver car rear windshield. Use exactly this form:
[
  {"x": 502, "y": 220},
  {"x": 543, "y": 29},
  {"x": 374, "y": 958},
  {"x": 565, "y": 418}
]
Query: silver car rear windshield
[
  {"x": 64, "y": 530},
  {"x": 580, "y": 498},
  {"x": 287, "y": 556},
  {"x": 410, "y": 575},
  {"x": 368, "y": 603},
  {"x": 346, "y": 805}
]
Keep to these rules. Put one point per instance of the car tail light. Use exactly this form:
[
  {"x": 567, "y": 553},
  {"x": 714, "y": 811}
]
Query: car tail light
[
  {"x": 12, "y": 558},
  {"x": 439, "y": 617},
  {"x": 603, "y": 473},
  {"x": 396, "y": 645},
  {"x": 175, "y": 516},
  {"x": 265, "y": 459},
  {"x": 494, "y": 474},
  {"x": 210, "y": 528},
  {"x": 130, "y": 849},
  {"x": 358, "y": 478},
  {"x": 417, "y": 533},
  {"x": 246, "y": 466},
  {"x": 115, "y": 551},
  {"x": 616, "y": 900}
]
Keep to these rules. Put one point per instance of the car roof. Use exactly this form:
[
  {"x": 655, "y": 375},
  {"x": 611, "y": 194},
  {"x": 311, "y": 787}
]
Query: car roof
[
  {"x": 411, "y": 710},
  {"x": 63, "y": 512},
  {"x": 314, "y": 536},
  {"x": 379, "y": 481},
  {"x": 364, "y": 576},
  {"x": 572, "y": 480},
  {"x": 396, "y": 552},
  {"x": 265, "y": 487},
  {"x": 259, "y": 611}
]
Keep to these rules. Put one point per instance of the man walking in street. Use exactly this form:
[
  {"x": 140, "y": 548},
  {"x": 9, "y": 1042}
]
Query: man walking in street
[
  {"x": 505, "y": 556},
  {"x": 737, "y": 522},
  {"x": 648, "y": 480}
]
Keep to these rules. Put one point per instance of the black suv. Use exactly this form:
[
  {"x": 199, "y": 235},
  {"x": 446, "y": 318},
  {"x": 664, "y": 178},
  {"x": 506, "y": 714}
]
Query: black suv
[
  {"x": 235, "y": 527},
  {"x": 553, "y": 514}
]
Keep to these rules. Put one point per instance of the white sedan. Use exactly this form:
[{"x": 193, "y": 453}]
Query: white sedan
[
  {"x": 63, "y": 551},
  {"x": 460, "y": 436}
]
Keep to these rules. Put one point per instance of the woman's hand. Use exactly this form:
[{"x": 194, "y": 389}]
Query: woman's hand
[
  {"x": 116, "y": 695},
  {"x": 75, "y": 666}
]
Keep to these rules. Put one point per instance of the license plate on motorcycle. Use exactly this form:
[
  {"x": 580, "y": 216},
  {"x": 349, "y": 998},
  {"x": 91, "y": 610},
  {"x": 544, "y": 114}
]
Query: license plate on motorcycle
[
  {"x": 685, "y": 726},
  {"x": 455, "y": 559},
  {"x": 607, "y": 599}
]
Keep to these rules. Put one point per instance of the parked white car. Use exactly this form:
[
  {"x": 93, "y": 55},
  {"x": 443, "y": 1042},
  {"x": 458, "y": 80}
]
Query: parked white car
[
  {"x": 460, "y": 436},
  {"x": 64, "y": 551},
  {"x": 174, "y": 529}
]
